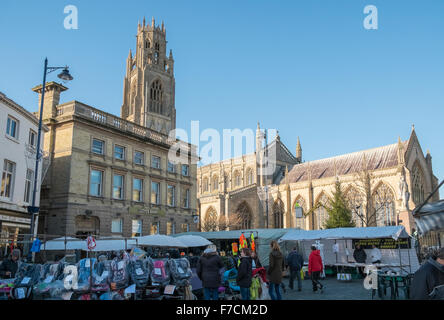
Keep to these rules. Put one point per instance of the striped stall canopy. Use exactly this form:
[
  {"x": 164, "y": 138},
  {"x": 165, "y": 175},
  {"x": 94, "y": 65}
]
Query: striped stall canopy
[{"x": 430, "y": 217}]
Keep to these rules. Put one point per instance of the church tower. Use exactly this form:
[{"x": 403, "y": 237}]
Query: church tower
[{"x": 149, "y": 84}]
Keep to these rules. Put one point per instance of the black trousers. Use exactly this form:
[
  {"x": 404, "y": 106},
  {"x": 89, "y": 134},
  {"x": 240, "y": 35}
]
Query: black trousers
[
  {"x": 295, "y": 274},
  {"x": 315, "y": 276}
]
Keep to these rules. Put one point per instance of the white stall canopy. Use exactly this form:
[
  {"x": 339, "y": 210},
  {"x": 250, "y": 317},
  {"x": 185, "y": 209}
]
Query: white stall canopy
[
  {"x": 58, "y": 244},
  {"x": 158, "y": 240},
  {"x": 112, "y": 245},
  {"x": 193, "y": 241},
  {"x": 394, "y": 232}
]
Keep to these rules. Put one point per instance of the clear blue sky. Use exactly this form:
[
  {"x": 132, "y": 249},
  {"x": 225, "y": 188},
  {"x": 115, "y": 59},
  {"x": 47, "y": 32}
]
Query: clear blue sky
[{"x": 307, "y": 68}]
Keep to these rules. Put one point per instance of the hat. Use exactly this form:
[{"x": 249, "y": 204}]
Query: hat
[{"x": 210, "y": 249}]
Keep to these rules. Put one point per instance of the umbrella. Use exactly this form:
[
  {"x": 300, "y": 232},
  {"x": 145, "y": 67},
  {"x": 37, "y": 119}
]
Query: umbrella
[
  {"x": 194, "y": 241},
  {"x": 158, "y": 240}
]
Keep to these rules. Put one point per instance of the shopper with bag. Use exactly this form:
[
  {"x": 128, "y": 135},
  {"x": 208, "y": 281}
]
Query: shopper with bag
[
  {"x": 245, "y": 274},
  {"x": 208, "y": 271},
  {"x": 295, "y": 263},
  {"x": 274, "y": 271},
  {"x": 315, "y": 268}
]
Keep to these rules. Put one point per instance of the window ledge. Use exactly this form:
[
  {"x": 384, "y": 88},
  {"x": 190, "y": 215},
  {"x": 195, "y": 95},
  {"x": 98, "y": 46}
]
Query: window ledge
[{"x": 12, "y": 139}]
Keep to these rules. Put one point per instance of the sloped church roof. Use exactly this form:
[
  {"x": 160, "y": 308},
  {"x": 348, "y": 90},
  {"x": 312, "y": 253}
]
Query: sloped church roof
[{"x": 377, "y": 158}]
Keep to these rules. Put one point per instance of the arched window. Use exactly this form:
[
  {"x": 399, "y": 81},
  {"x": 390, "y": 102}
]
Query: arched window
[
  {"x": 245, "y": 216},
  {"x": 237, "y": 178},
  {"x": 321, "y": 214},
  {"x": 355, "y": 201},
  {"x": 300, "y": 203},
  {"x": 250, "y": 178},
  {"x": 205, "y": 184},
  {"x": 147, "y": 44},
  {"x": 156, "y": 97},
  {"x": 210, "y": 221},
  {"x": 278, "y": 214},
  {"x": 227, "y": 181},
  {"x": 417, "y": 184},
  {"x": 215, "y": 183},
  {"x": 384, "y": 205}
]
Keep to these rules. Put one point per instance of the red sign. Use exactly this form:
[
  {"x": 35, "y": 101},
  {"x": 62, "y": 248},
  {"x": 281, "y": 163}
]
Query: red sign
[{"x": 91, "y": 243}]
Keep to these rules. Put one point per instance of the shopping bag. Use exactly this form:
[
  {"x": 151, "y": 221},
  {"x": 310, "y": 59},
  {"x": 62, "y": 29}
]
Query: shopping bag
[{"x": 302, "y": 275}]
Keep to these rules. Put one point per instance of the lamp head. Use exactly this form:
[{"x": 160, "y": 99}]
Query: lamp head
[{"x": 65, "y": 75}]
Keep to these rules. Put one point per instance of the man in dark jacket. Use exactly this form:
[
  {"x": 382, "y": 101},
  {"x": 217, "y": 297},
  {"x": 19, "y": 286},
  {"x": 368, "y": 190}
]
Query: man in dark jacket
[
  {"x": 208, "y": 271},
  {"x": 360, "y": 257},
  {"x": 245, "y": 274},
  {"x": 9, "y": 266},
  {"x": 295, "y": 262},
  {"x": 428, "y": 281}
]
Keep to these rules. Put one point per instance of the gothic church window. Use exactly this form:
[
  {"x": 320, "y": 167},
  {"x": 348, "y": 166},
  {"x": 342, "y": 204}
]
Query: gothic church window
[
  {"x": 205, "y": 185},
  {"x": 156, "y": 96},
  {"x": 237, "y": 178},
  {"x": 245, "y": 216},
  {"x": 355, "y": 201},
  {"x": 418, "y": 184},
  {"x": 300, "y": 222},
  {"x": 321, "y": 212},
  {"x": 215, "y": 183},
  {"x": 384, "y": 205},
  {"x": 250, "y": 176},
  {"x": 278, "y": 214}
]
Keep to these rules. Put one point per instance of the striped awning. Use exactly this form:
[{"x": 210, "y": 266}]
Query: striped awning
[{"x": 430, "y": 217}]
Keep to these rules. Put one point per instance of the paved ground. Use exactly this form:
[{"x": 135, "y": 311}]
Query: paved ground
[{"x": 334, "y": 290}]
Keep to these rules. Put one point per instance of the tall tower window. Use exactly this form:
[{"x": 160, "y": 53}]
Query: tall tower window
[{"x": 156, "y": 97}]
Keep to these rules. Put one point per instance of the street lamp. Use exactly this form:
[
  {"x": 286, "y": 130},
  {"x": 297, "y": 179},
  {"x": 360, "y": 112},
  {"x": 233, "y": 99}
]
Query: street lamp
[{"x": 65, "y": 76}]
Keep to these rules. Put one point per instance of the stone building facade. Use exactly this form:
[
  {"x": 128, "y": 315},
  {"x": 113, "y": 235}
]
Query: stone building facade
[
  {"x": 231, "y": 186},
  {"x": 18, "y": 141},
  {"x": 111, "y": 176},
  {"x": 381, "y": 185}
]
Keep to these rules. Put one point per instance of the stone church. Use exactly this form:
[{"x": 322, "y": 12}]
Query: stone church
[{"x": 382, "y": 186}]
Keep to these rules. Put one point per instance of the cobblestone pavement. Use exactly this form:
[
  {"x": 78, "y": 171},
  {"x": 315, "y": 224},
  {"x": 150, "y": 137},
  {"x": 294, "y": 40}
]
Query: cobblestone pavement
[{"x": 334, "y": 290}]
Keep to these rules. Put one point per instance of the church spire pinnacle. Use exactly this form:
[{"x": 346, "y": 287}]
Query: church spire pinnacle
[
  {"x": 152, "y": 22},
  {"x": 144, "y": 24},
  {"x": 299, "y": 151}
]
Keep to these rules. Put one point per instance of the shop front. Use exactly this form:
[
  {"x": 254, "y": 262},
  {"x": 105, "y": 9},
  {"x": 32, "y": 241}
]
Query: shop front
[{"x": 13, "y": 230}]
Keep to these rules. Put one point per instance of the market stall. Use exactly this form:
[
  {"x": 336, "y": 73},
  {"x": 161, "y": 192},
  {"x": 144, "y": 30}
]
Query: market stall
[
  {"x": 262, "y": 239},
  {"x": 338, "y": 245}
]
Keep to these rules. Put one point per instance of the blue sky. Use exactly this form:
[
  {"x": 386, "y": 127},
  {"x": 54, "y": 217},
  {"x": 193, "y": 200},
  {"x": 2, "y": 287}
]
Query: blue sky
[{"x": 307, "y": 68}]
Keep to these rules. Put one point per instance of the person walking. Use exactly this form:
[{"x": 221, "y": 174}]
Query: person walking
[
  {"x": 9, "y": 266},
  {"x": 274, "y": 271},
  {"x": 208, "y": 271},
  {"x": 428, "y": 281},
  {"x": 375, "y": 254},
  {"x": 360, "y": 257},
  {"x": 295, "y": 263},
  {"x": 315, "y": 268},
  {"x": 245, "y": 273}
]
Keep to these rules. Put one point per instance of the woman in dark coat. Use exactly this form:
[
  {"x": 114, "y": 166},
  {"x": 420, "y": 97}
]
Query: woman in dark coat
[
  {"x": 245, "y": 274},
  {"x": 274, "y": 271},
  {"x": 208, "y": 271}
]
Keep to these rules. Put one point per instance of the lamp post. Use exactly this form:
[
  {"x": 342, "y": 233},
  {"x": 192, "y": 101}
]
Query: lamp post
[{"x": 33, "y": 209}]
